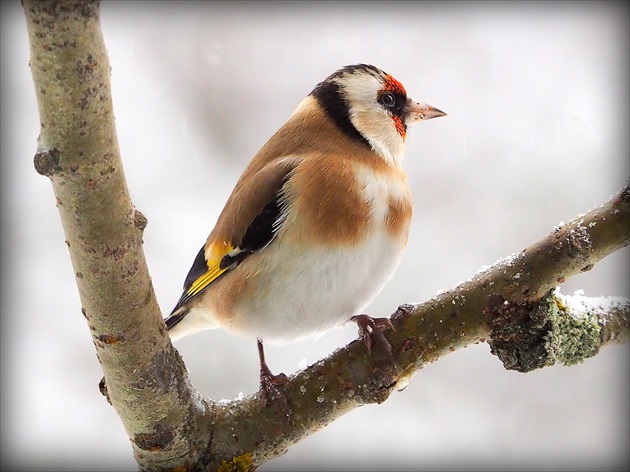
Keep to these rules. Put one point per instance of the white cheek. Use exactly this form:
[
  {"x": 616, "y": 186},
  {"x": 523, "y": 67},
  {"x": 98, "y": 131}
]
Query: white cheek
[{"x": 379, "y": 129}]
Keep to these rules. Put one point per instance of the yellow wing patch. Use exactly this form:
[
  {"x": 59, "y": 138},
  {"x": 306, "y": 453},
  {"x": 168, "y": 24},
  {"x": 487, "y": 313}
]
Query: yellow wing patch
[
  {"x": 203, "y": 281},
  {"x": 214, "y": 256}
]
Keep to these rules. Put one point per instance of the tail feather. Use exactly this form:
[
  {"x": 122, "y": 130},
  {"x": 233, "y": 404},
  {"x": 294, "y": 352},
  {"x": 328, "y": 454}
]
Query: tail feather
[{"x": 175, "y": 317}]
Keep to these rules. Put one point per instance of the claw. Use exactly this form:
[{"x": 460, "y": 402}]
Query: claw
[
  {"x": 370, "y": 328},
  {"x": 269, "y": 383}
]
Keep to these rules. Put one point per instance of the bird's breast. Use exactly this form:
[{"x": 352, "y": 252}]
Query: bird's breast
[
  {"x": 341, "y": 203},
  {"x": 388, "y": 198}
]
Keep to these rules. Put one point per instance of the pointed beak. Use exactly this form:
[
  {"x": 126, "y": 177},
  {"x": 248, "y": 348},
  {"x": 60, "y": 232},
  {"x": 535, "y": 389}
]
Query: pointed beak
[{"x": 417, "y": 111}]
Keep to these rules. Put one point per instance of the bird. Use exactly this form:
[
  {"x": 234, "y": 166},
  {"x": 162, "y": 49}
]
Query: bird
[{"x": 316, "y": 224}]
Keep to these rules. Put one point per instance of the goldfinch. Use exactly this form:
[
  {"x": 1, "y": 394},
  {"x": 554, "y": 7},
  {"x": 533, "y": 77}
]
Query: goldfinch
[{"x": 316, "y": 224}]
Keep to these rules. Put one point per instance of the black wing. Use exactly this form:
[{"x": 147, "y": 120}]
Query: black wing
[{"x": 258, "y": 235}]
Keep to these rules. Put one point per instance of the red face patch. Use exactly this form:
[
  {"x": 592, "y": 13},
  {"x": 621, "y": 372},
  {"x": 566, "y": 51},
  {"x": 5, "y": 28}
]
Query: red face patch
[
  {"x": 393, "y": 85},
  {"x": 400, "y": 126}
]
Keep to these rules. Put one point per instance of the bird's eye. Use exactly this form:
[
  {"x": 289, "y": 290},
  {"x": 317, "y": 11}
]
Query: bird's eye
[{"x": 387, "y": 99}]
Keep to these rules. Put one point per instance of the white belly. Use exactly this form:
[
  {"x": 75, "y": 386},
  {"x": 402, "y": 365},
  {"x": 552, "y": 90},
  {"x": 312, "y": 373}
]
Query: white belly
[{"x": 316, "y": 290}]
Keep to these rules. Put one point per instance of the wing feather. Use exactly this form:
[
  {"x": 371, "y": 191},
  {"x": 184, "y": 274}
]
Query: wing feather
[{"x": 219, "y": 256}]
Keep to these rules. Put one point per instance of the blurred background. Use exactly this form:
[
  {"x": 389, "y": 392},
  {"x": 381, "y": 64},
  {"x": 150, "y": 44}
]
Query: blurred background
[{"x": 536, "y": 133}]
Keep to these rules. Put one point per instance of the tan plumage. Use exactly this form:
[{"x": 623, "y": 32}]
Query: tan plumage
[{"x": 317, "y": 222}]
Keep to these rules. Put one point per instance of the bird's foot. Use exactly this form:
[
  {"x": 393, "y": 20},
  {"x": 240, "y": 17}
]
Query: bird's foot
[
  {"x": 371, "y": 329},
  {"x": 269, "y": 387}
]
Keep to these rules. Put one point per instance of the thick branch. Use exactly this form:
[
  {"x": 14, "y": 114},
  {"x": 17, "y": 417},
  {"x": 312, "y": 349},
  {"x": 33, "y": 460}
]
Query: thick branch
[
  {"x": 147, "y": 382},
  {"x": 78, "y": 151}
]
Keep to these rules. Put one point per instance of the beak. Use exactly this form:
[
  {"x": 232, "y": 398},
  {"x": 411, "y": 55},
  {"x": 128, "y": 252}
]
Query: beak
[{"x": 417, "y": 111}]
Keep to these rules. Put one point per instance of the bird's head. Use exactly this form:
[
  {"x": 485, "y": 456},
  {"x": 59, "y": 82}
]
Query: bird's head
[{"x": 372, "y": 106}]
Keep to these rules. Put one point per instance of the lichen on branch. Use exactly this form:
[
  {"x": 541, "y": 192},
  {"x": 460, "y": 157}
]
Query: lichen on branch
[{"x": 555, "y": 329}]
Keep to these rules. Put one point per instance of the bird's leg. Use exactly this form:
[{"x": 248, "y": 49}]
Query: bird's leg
[
  {"x": 268, "y": 382},
  {"x": 370, "y": 328}
]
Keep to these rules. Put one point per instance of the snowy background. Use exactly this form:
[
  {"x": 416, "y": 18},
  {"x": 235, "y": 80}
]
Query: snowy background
[{"x": 536, "y": 133}]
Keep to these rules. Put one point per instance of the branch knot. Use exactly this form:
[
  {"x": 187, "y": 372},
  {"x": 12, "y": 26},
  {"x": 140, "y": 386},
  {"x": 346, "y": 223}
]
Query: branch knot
[
  {"x": 517, "y": 333},
  {"x": 47, "y": 162}
]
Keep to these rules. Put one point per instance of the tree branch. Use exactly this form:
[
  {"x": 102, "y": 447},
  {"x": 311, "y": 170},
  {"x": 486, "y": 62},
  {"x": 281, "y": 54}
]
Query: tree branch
[
  {"x": 511, "y": 304},
  {"x": 78, "y": 151}
]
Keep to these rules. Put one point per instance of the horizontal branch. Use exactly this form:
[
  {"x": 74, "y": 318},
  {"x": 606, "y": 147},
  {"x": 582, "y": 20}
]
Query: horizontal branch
[{"x": 510, "y": 304}]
